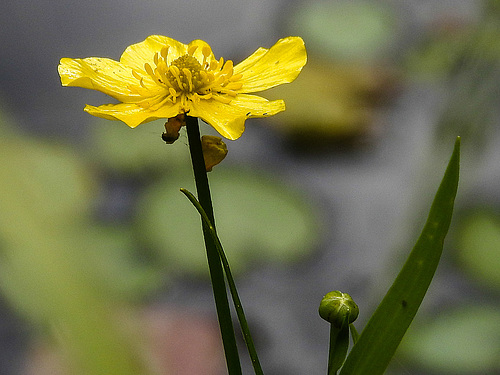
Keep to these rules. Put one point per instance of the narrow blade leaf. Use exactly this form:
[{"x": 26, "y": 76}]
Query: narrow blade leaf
[{"x": 379, "y": 340}]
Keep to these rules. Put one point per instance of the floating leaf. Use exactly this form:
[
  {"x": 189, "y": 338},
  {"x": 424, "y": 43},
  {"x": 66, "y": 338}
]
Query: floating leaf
[
  {"x": 479, "y": 247},
  {"x": 330, "y": 101},
  {"x": 41, "y": 183},
  {"x": 117, "y": 147},
  {"x": 44, "y": 268},
  {"x": 461, "y": 341},
  {"x": 257, "y": 218},
  {"x": 124, "y": 272},
  {"x": 353, "y": 30}
]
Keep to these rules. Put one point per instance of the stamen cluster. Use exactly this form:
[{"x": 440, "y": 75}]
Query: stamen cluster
[{"x": 186, "y": 78}]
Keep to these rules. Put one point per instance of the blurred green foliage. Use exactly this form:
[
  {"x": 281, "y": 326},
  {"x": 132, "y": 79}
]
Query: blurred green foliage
[
  {"x": 478, "y": 247},
  {"x": 385, "y": 329},
  {"x": 464, "y": 58},
  {"x": 348, "y": 75},
  {"x": 463, "y": 340},
  {"x": 72, "y": 274},
  {"x": 361, "y": 31},
  {"x": 258, "y": 219},
  {"x": 48, "y": 266},
  {"x": 330, "y": 103},
  {"x": 250, "y": 206}
]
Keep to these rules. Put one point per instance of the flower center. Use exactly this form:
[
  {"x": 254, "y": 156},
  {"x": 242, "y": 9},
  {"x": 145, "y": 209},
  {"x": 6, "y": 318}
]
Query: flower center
[
  {"x": 184, "y": 74},
  {"x": 189, "y": 80}
]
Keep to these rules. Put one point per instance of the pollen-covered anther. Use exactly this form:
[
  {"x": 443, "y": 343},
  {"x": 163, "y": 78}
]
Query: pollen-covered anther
[
  {"x": 233, "y": 86},
  {"x": 214, "y": 65},
  {"x": 203, "y": 77},
  {"x": 206, "y": 51},
  {"x": 164, "y": 52},
  {"x": 162, "y": 72},
  {"x": 192, "y": 50},
  {"x": 219, "y": 81},
  {"x": 222, "y": 99},
  {"x": 173, "y": 94},
  {"x": 148, "y": 70},
  {"x": 136, "y": 75},
  {"x": 189, "y": 78},
  {"x": 141, "y": 82},
  {"x": 174, "y": 71},
  {"x": 236, "y": 77},
  {"x": 227, "y": 69},
  {"x": 231, "y": 93}
]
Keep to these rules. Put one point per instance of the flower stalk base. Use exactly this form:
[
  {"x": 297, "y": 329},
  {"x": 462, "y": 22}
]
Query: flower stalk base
[{"x": 214, "y": 262}]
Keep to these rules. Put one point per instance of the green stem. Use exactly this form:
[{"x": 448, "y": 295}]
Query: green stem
[
  {"x": 214, "y": 262},
  {"x": 354, "y": 333},
  {"x": 232, "y": 286},
  {"x": 339, "y": 343}
]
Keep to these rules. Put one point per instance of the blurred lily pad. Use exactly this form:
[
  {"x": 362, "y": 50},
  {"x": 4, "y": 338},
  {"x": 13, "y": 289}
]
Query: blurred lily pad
[
  {"x": 462, "y": 341},
  {"x": 354, "y": 30},
  {"x": 45, "y": 191},
  {"x": 41, "y": 182},
  {"x": 47, "y": 194},
  {"x": 56, "y": 268},
  {"x": 479, "y": 247},
  {"x": 258, "y": 220},
  {"x": 331, "y": 101},
  {"x": 115, "y": 146},
  {"x": 123, "y": 270}
]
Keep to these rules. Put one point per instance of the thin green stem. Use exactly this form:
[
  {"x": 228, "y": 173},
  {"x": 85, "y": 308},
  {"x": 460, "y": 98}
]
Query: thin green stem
[
  {"x": 232, "y": 286},
  {"x": 339, "y": 343},
  {"x": 354, "y": 333},
  {"x": 214, "y": 262}
]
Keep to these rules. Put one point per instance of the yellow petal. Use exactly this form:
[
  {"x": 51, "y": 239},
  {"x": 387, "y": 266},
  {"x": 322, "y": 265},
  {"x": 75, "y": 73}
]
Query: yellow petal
[
  {"x": 138, "y": 54},
  {"x": 102, "y": 74},
  {"x": 229, "y": 119},
  {"x": 250, "y": 60},
  {"x": 280, "y": 64},
  {"x": 132, "y": 114}
]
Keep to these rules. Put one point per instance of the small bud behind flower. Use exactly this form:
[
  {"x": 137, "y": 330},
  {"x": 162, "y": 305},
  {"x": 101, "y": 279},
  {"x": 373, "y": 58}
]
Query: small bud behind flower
[
  {"x": 338, "y": 308},
  {"x": 214, "y": 150},
  {"x": 172, "y": 128}
]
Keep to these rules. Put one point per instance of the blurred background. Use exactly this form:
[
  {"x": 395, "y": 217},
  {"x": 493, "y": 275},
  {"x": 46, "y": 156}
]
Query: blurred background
[{"x": 102, "y": 270}]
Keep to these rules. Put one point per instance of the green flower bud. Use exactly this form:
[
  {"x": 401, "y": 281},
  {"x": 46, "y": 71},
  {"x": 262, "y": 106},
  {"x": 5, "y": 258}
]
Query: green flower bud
[{"x": 338, "y": 308}]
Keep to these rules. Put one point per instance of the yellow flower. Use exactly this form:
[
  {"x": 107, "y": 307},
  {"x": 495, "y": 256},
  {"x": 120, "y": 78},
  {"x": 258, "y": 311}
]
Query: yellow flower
[{"x": 162, "y": 78}]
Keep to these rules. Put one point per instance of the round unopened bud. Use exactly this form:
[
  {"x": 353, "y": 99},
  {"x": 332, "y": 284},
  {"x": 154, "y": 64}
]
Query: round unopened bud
[{"x": 338, "y": 308}]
